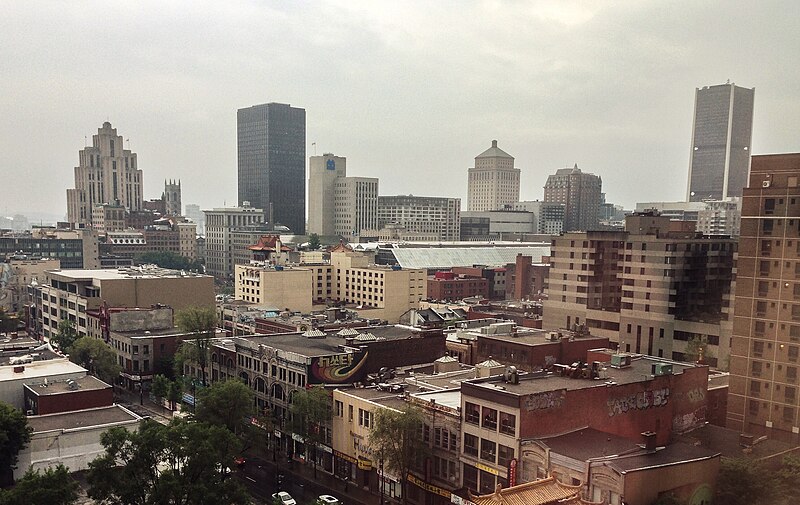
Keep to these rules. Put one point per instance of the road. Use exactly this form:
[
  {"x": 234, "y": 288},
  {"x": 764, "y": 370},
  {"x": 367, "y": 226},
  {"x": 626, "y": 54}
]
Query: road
[{"x": 259, "y": 476}]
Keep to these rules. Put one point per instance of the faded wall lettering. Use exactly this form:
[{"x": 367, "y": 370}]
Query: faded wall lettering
[
  {"x": 548, "y": 400},
  {"x": 638, "y": 401}
]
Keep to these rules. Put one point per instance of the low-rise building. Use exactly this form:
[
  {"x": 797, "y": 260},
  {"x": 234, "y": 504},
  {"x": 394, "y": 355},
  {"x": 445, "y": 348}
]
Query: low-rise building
[{"x": 451, "y": 286}]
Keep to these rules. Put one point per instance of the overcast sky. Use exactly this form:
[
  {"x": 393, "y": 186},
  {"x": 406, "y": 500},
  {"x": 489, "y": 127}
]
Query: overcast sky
[{"x": 409, "y": 92}]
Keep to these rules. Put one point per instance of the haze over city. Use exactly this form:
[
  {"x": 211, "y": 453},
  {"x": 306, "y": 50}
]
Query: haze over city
[{"x": 409, "y": 93}]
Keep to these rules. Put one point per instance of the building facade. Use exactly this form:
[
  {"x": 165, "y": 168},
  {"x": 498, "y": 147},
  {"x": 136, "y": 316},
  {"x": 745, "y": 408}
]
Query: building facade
[
  {"x": 765, "y": 354},
  {"x": 172, "y": 198},
  {"x": 272, "y": 167},
  {"x": 719, "y": 158},
  {"x": 422, "y": 214},
  {"x": 106, "y": 174},
  {"x": 221, "y": 223},
  {"x": 493, "y": 182},
  {"x": 323, "y": 173},
  {"x": 580, "y": 193},
  {"x": 549, "y": 217}
]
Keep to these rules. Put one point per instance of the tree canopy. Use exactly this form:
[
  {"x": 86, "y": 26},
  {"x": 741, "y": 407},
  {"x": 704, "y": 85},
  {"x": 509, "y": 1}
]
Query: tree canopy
[
  {"x": 169, "y": 259},
  {"x": 54, "y": 486},
  {"x": 202, "y": 323},
  {"x": 15, "y": 434},
  {"x": 97, "y": 357},
  {"x": 397, "y": 437},
  {"x": 182, "y": 463},
  {"x": 226, "y": 404},
  {"x": 66, "y": 334},
  {"x": 311, "y": 411},
  {"x": 313, "y": 242}
]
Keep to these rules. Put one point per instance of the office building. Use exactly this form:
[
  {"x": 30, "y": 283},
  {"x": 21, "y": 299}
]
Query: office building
[
  {"x": 493, "y": 182},
  {"x": 194, "y": 214},
  {"x": 422, "y": 214},
  {"x": 579, "y": 193},
  {"x": 221, "y": 223},
  {"x": 106, "y": 174},
  {"x": 765, "y": 353},
  {"x": 652, "y": 289},
  {"x": 549, "y": 217},
  {"x": 272, "y": 163},
  {"x": 339, "y": 205},
  {"x": 720, "y": 154}
]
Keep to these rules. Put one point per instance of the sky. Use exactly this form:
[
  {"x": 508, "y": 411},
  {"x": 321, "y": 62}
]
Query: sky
[{"x": 410, "y": 92}]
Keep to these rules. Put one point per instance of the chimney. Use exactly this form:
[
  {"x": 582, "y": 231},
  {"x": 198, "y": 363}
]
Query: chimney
[{"x": 649, "y": 438}]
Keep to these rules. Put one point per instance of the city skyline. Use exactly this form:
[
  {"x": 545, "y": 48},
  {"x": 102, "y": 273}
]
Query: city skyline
[{"x": 403, "y": 102}]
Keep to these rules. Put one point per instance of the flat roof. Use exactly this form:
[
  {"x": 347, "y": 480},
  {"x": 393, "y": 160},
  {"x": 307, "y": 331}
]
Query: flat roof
[
  {"x": 145, "y": 272},
  {"x": 673, "y": 454},
  {"x": 449, "y": 398},
  {"x": 532, "y": 383},
  {"x": 589, "y": 443},
  {"x": 448, "y": 257},
  {"x": 82, "y": 419},
  {"x": 41, "y": 369},
  {"x": 86, "y": 383}
]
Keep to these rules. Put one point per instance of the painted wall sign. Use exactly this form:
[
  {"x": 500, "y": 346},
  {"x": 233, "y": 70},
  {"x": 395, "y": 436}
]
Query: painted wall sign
[
  {"x": 428, "y": 487},
  {"x": 337, "y": 368},
  {"x": 512, "y": 472},
  {"x": 547, "y": 400},
  {"x": 637, "y": 401}
]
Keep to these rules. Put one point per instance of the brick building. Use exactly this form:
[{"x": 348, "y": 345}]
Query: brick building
[{"x": 452, "y": 286}]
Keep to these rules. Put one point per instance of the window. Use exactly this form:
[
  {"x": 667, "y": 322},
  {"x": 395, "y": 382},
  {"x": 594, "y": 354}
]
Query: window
[
  {"x": 755, "y": 388},
  {"x": 350, "y": 413},
  {"x": 789, "y": 394},
  {"x": 793, "y": 353},
  {"x": 758, "y": 348},
  {"x": 791, "y": 374},
  {"x": 508, "y": 424},
  {"x": 504, "y": 455},
  {"x": 761, "y": 309},
  {"x": 755, "y": 369},
  {"x": 339, "y": 407},
  {"x": 470, "y": 445},
  {"x": 753, "y": 407},
  {"x": 488, "y": 450},
  {"x": 489, "y": 418},
  {"x": 472, "y": 413},
  {"x": 363, "y": 418}
]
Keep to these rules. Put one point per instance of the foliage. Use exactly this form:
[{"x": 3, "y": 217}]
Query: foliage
[
  {"x": 225, "y": 404},
  {"x": 397, "y": 438},
  {"x": 313, "y": 242},
  {"x": 15, "y": 434},
  {"x": 54, "y": 487},
  {"x": 182, "y": 463},
  {"x": 311, "y": 410},
  {"x": 8, "y": 322},
  {"x": 202, "y": 323},
  {"x": 744, "y": 482},
  {"x": 695, "y": 346},
  {"x": 168, "y": 259},
  {"x": 175, "y": 392},
  {"x": 160, "y": 386},
  {"x": 97, "y": 357},
  {"x": 67, "y": 335}
]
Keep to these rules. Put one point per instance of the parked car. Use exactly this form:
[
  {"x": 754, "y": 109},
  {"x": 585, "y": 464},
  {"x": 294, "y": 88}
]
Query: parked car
[
  {"x": 329, "y": 500},
  {"x": 284, "y": 497}
]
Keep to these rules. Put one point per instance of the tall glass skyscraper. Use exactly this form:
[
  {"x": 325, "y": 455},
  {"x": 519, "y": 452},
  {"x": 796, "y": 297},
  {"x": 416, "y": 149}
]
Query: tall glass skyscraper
[
  {"x": 720, "y": 155},
  {"x": 272, "y": 152}
]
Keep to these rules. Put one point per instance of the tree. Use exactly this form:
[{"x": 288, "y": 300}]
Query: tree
[
  {"x": 696, "y": 346},
  {"x": 313, "y": 242},
  {"x": 160, "y": 387},
  {"x": 226, "y": 404},
  {"x": 396, "y": 436},
  {"x": 182, "y": 463},
  {"x": 169, "y": 259},
  {"x": 202, "y": 323},
  {"x": 311, "y": 410},
  {"x": 66, "y": 335},
  {"x": 175, "y": 393},
  {"x": 55, "y": 487},
  {"x": 8, "y": 322},
  {"x": 744, "y": 482},
  {"x": 15, "y": 434},
  {"x": 97, "y": 357}
]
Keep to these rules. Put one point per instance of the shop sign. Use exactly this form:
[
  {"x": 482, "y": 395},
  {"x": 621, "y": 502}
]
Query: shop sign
[
  {"x": 297, "y": 438},
  {"x": 457, "y": 500},
  {"x": 364, "y": 464},
  {"x": 345, "y": 457},
  {"x": 487, "y": 469},
  {"x": 325, "y": 448},
  {"x": 429, "y": 487},
  {"x": 512, "y": 472}
]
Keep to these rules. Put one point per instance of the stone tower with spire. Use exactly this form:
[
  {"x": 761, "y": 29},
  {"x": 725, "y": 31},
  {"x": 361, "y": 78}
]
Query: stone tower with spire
[{"x": 172, "y": 198}]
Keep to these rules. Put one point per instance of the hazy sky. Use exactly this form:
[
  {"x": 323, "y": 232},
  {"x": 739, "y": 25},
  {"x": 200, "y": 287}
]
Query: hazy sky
[{"x": 409, "y": 92}]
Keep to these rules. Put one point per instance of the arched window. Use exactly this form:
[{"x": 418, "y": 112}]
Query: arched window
[
  {"x": 245, "y": 378},
  {"x": 261, "y": 386}
]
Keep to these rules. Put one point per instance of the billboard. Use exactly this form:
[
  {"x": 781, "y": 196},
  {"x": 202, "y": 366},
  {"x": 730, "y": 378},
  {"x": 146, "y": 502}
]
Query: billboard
[{"x": 337, "y": 368}]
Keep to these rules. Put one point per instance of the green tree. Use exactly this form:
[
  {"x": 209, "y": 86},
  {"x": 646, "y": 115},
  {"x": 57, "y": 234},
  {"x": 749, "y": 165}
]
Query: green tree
[
  {"x": 745, "y": 482},
  {"x": 182, "y": 463},
  {"x": 696, "y": 346},
  {"x": 54, "y": 486},
  {"x": 313, "y": 242},
  {"x": 397, "y": 437},
  {"x": 175, "y": 393},
  {"x": 97, "y": 357},
  {"x": 226, "y": 404},
  {"x": 168, "y": 259},
  {"x": 8, "y": 322},
  {"x": 160, "y": 387},
  {"x": 311, "y": 411},
  {"x": 66, "y": 335},
  {"x": 201, "y": 322},
  {"x": 15, "y": 434}
]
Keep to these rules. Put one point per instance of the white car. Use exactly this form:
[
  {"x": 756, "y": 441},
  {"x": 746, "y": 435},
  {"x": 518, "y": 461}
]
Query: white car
[
  {"x": 328, "y": 499},
  {"x": 284, "y": 497}
]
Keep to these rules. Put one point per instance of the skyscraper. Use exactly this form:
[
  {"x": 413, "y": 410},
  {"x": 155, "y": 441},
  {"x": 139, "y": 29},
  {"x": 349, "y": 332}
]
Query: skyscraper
[
  {"x": 764, "y": 397},
  {"x": 720, "y": 155},
  {"x": 106, "y": 174},
  {"x": 272, "y": 151},
  {"x": 493, "y": 182},
  {"x": 323, "y": 173},
  {"x": 580, "y": 193}
]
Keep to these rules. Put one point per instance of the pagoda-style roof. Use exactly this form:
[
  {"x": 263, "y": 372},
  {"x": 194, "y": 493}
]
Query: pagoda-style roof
[
  {"x": 347, "y": 332},
  {"x": 341, "y": 247},
  {"x": 547, "y": 491},
  {"x": 269, "y": 243}
]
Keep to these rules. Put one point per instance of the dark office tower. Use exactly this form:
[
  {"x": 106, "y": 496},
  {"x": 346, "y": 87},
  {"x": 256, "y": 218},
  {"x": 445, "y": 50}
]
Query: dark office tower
[
  {"x": 272, "y": 153},
  {"x": 720, "y": 156}
]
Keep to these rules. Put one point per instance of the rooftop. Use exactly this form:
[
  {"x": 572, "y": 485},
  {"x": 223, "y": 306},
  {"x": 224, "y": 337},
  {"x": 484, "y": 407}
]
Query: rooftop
[
  {"x": 540, "y": 492},
  {"x": 494, "y": 152},
  {"x": 140, "y": 272},
  {"x": 41, "y": 369},
  {"x": 673, "y": 454},
  {"x": 449, "y": 257},
  {"x": 78, "y": 419},
  {"x": 87, "y": 383},
  {"x": 589, "y": 443}
]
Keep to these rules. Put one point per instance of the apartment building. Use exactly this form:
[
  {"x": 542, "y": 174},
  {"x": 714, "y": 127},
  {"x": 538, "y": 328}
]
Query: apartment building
[
  {"x": 221, "y": 223},
  {"x": 652, "y": 289},
  {"x": 422, "y": 214}
]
